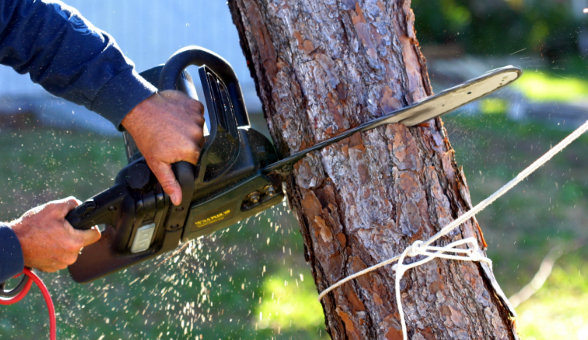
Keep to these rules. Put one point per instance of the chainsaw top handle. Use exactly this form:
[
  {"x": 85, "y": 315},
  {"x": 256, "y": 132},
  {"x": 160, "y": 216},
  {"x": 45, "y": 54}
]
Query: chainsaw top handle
[{"x": 195, "y": 55}]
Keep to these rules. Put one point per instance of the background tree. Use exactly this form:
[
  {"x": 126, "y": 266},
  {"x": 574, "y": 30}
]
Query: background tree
[
  {"x": 322, "y": 67},
  {"x": 550, "y": 27}
]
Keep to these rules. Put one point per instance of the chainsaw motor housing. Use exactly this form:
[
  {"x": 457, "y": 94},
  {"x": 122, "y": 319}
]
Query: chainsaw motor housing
[{"x": 225, "y": 187}]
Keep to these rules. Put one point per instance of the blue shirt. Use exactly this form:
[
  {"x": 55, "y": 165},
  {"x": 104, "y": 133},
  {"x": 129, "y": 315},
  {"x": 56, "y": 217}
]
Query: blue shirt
[
  {"x": 11, "y": 259},
  {"x": 72, "y": 59}
]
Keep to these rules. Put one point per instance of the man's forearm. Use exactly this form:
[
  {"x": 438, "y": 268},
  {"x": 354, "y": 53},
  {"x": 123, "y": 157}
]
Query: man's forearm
[
  {"x": 11, "y": 258},
  {"x": 69, "y": 57},
  {"x": 74, "y": 60}
]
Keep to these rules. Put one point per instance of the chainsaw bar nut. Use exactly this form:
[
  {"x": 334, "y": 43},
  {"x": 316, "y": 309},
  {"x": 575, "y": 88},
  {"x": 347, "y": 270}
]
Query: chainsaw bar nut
[
  {"x": 254, "y": 197},
  {"x": 269, "y": 190}
]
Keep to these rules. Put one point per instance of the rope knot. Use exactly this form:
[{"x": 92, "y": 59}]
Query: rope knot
[{"x": 416, "y": 249}]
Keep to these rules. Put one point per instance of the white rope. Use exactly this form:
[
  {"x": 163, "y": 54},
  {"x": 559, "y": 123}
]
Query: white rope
[
  {"x": 419, "y": 248},
  {"x": 424, "y": 248}
]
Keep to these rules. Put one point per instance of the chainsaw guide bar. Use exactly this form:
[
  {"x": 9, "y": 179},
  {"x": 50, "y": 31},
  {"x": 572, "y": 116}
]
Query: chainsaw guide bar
[
  {"x": 428, "y": 108},
  {"x": 238, "y": 175}
]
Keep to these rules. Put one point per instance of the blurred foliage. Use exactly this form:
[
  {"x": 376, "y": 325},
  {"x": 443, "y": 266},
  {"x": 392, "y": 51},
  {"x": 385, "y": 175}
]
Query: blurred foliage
[
  {"x": 499, "y": 26},
  {"x": 493, "y": 105},
  {"x": 541, "y": 86},
  {"x": 558, "y": 311},
  {"x": 289, "y": 304}
]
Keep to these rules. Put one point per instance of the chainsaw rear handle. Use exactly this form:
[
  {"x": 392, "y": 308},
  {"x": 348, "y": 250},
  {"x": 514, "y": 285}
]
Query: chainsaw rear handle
[
  {"x": 194, "y": 55},
  {"x": 99, "y": 209},
  {"x": 105, "y": 207}
]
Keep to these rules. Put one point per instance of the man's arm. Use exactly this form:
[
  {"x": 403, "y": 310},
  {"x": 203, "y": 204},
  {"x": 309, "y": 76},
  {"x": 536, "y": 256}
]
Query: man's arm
[
  {"x": 69, "y": 57},
  {"x": 74, "y": 60},
  {"x": 11, "y": 260}
]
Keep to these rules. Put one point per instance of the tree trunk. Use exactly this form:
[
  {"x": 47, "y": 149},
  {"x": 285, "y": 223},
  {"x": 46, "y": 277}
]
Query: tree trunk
[{"x": 322, "y": 67}]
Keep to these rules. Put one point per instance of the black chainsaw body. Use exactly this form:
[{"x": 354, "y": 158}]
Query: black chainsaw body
[{"x": 225, "y": 187}]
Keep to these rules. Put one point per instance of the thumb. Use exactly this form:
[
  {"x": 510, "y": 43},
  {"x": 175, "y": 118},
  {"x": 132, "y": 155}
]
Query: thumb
[
  {"x": 164, "y": 174},
  {"x": 83, "y": 237},
  {"x": 89, "y": 236}
]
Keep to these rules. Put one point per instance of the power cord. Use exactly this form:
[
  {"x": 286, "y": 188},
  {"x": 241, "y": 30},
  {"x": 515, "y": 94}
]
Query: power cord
[{"x": 16, "y": 294}]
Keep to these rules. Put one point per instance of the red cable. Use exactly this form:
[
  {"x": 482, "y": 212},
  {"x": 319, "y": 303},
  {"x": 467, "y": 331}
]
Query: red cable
[
  {"x": 17, "y": 298},
  {"x": 46, "y": 295}
]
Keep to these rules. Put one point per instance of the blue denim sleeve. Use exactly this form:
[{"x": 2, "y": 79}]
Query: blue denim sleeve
[
  {"x": 69, "y": 57},
  {"x": 11, "y": 259}
]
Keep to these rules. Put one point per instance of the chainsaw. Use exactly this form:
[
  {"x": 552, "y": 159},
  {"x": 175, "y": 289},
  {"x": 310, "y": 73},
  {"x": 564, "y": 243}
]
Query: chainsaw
[{"x": 238, "y": 174}]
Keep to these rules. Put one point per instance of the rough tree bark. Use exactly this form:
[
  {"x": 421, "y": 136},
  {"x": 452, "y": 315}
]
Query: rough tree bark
[{"x": 321, "y": 67}]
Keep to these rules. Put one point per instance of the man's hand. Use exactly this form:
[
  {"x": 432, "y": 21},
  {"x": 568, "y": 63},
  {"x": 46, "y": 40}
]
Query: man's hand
[
  {"x": 167, "y": 128},
  {"x": 48, "y": 241}
]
